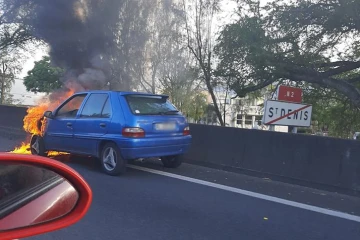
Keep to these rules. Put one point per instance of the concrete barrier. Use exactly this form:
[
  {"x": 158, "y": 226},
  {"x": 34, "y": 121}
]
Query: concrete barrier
[
  {"x": 11, "y": 122},
  {"x": 11, "y": 116},
  {"x": 311, "y": 159}
]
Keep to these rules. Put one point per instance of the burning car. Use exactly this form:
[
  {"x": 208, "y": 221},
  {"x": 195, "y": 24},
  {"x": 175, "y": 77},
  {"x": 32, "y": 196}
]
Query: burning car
[{"x": 113, "y": 127}]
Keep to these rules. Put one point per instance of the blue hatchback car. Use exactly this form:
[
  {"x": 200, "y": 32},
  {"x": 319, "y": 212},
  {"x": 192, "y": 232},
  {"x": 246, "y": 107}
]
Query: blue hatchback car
[{"x": 115, "y": 127}]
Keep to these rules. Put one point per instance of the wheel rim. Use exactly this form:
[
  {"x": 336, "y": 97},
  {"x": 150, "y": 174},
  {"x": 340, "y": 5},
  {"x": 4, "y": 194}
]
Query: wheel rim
[
  {"x": 109, "y": 159},
  {"x": 35, "y": 146}
]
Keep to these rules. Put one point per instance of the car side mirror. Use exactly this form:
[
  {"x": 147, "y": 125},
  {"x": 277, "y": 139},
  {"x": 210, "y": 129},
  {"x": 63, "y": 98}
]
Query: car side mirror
[
  {"x": 39, "y": 195},
  {"x": 48, "y": 114}
]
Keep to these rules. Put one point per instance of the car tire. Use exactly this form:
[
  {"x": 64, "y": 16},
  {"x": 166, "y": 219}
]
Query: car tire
[
  {"x": 111, "y": 160},
  {"x": 37, "y": 146},
  {"x": 172, "y": 161}
]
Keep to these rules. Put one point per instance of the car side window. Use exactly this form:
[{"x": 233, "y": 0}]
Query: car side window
[
  {"x": 71, "y": 108},
  {"x": 106, "y": 112},
  {"x": 94, "y": 105}
]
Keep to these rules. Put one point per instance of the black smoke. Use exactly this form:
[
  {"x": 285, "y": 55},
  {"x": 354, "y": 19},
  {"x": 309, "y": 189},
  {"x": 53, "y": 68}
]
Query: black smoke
[{"x": 80, "y": 34}]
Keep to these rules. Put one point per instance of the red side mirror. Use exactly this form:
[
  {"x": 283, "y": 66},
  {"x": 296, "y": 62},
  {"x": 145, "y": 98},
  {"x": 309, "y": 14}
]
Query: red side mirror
[{"x": 39, "y": 195}]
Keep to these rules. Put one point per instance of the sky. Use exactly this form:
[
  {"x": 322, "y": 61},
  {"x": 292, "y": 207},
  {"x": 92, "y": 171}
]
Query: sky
[
  {"x": 28, "y": 98},
  {"x": 18, "y": 89}
]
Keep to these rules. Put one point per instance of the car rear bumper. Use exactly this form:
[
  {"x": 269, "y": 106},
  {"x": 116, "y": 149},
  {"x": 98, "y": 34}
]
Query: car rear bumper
[
  {"x": 147, "y": 152},
  {"x": 154, "y": 147}
]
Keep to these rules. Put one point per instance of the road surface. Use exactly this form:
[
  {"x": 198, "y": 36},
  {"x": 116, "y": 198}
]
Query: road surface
[{"x": 145, "y": 205}]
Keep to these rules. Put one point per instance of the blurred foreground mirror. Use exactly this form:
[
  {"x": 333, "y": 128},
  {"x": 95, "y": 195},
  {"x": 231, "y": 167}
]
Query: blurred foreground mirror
[{"x": 31, "y": 195}]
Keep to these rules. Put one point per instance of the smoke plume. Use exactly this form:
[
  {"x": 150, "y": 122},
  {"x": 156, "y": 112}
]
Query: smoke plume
[{"x": 80, "y": 36}]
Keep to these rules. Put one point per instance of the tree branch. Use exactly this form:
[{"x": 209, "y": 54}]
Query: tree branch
[
  {"x": 341, "y": 86},
  {"x": 353, "y": 80},
  {"x": 333, "y": 64},
  {"x": 344, "y": 68},
  {"x": 241, "y": 92}
]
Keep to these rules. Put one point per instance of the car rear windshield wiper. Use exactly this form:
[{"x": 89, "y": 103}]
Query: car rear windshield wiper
[
  {"x": 160, "y": 113},
  {"x": 170, "y": 112},
  {"x": 167, "y": 112}
]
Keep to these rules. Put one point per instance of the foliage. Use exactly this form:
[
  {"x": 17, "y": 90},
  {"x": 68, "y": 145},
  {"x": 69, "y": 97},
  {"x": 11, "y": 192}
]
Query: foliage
[
  {"x": 197, "y": 107},
  {"x": 299, "y": 41},
  {"x": 10, "y": 65},
  {"x": 180, "y": 83},
  {"x": 332, "y": 111},
  {"x": 172, "y": 65},
  {"x": 165, "y": 44},
  {"x": 44, "y": 77},
  {"x": 129, "y": 31},
  {"x": 199, "y": 15},
  {"x": 13, "y": 32},
  {"x": 10, "y": 100}
]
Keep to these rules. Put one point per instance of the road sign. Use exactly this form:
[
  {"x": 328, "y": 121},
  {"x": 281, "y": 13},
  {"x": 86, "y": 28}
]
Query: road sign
[
  {"x": 287, "y": 114},
  {"x": 289, "y": 94}
]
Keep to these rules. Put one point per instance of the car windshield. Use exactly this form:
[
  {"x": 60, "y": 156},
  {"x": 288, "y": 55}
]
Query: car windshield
[{"x": 150, "y": 105}]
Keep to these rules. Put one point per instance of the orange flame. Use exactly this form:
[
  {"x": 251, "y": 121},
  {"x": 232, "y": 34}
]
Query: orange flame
[
  {"x": 34, "y": 122},
  {"x": 23, "y": 149},
  {"x": 31, "y": 120}
]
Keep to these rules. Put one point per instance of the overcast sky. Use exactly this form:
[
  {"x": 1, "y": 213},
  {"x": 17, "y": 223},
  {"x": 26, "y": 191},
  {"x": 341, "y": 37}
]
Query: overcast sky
[{"x": 18, "y": 89}]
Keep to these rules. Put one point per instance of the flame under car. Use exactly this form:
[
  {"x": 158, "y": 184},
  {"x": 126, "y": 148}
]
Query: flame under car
[{"x": 114, "y": 127}]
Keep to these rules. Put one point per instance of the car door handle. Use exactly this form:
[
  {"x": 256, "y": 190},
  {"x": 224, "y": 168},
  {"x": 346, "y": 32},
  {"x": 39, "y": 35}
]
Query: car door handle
[
  {"x": 69, "y": 124},
  {"x": 102, "y": 125}
]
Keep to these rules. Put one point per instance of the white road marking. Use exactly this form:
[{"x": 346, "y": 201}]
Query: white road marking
[{"x": 253, "y": 194}]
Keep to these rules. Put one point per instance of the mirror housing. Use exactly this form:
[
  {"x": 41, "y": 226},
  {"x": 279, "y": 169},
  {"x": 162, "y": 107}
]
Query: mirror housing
[
  {"x": 48, "y": 114},
  {"x": 69, "y": 174}
]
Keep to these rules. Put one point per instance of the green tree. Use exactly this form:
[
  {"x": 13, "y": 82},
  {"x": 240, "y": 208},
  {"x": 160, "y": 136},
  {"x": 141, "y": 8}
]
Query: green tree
[
  {"x": 43, "y": 77},
  {"x": 180, "y": 84},
  {"x": 196, "y": 107},
  {"x": 13, "y": 32},
  {"x": 299, "y": 41},
  {"x": 332, "y": 110}
]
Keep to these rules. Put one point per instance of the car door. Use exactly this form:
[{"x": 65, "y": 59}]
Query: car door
[
  {"x": 59, "y": 131},
  {"x": 92, "y": 123}
]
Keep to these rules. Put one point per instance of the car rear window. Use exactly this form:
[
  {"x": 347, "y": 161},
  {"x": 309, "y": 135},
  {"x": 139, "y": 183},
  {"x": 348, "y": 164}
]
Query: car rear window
[{"x": 150, "y": 105}]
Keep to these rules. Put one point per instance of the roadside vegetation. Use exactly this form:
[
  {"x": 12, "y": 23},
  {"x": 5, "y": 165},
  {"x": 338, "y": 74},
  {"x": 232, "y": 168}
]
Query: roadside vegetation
[{"x": 186, "y": 50}]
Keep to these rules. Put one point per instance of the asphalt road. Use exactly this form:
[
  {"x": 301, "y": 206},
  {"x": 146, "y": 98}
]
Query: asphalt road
[{"x": 143, "y": 205}]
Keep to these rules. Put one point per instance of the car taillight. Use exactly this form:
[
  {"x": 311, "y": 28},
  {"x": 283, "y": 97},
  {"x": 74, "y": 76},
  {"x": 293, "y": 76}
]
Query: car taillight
[
  {"x": 186, "y": 131},
  {"x": 133, "y": 132}
]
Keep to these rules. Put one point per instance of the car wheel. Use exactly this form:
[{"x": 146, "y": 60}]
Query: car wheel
[
  {"x": 112, "y": 162},
  {"x": 37, "y": 146},
  {"x": 172, "y": 161}
]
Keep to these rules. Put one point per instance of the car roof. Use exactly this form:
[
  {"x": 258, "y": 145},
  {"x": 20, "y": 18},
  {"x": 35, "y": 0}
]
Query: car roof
[{"x": 121, "y": 93}]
